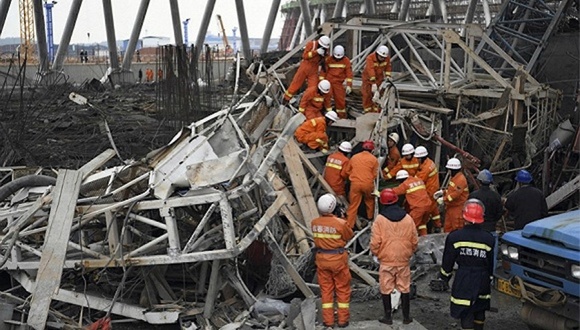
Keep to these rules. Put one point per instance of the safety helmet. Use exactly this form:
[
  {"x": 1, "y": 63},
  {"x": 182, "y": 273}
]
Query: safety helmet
[
  {"x": 324, "y": 86},
  {"x": 408, "y": 149},
  {"x": 388, "y": 197},
  {"x": 421, "y": 152},
  {"x": 324, "y": 42},
  {"x": 453, "y": 164},
  {"x": 485, "y": 176},
  {"x": 523, "y": 176},
  {"x": 383, "y": 51},
  {"x": 473, "y": 210},
  {"x": 338, "y": 52},
  {"x": 368, "y": 145},
  {"x": 326, "y": 204},
  {"x": 402, "y": 174},
  {"x": 394, "y": 136},
  {"x": 345, "y": 146},
  {"x": 331, "y": 115}
]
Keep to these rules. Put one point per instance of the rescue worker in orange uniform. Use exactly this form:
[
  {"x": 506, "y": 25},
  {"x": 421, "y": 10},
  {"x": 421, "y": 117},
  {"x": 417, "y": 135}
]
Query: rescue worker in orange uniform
[
  {"x": 313, "y": 132},
  {"x": 314, "y": 53},
  {"x": 393, "y": 242},
  {"x": 335, "y": 169},
  {"x": 377, "y": 67},
  {"x": 454, "y": 196},
  {"x": 408, "y": 163},
  {"x": 393, "y": 154},
  {"x": 429, "y": 173},
  {"x": 330, "y": 237},
  {"x": 339, "y": 72},
  {"x": 362, "y": 170},
  {"x": 315, "y": 99},
  {"x": 416, "y": 198}
]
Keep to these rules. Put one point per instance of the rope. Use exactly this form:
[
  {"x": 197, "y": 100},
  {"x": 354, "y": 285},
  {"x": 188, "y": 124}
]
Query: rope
[{"x": 539, "y": 296}]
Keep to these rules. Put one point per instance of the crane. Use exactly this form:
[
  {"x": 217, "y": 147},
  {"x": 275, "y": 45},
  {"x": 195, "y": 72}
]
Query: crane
[
  {"x": 26, "y": 28},
  {"x": 228, "y": 49}
]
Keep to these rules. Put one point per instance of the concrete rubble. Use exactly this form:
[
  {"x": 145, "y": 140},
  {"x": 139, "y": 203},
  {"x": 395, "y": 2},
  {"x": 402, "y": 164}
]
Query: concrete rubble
[{"x": 212, "y": 230}]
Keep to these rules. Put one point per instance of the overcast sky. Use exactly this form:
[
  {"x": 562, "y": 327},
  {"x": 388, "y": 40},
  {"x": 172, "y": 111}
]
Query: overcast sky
[{"x": 157, "y": 21}]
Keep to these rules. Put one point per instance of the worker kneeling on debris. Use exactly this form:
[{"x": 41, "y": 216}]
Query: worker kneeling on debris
[
  {"x": 330, "y": 237},
  {"x": 313, "y": 131}
]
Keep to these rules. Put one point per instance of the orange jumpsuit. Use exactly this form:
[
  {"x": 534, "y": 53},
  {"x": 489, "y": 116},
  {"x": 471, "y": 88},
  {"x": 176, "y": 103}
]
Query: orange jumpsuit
[
  {"x": 338, "y": 72},
  {"x": 418, "y": 201},
  {"x": 312, "y": 102},
  {"x": 411, "y": 166},
  {"x": 373, "y": 73},
  {"x": 430, "y": 175},
  {"x": 362, "y": 170},
  {"x": 454, "y": 197},
  {"x": 394, "y": 242},
  {"x": 313, "y": 133},
  {"x": 330, "y": 236},
  {"x": 335, "y": 172},
  {"x": 308, "y": 70},
  {"x": 393, "y": 157}
]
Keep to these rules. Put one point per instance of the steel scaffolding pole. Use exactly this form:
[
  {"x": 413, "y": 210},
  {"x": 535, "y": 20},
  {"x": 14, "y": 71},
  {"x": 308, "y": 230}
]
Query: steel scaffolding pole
[
  {"x": 307, "y": 19},
  {"x": 176, "y": 22},
  {"x": 203, "y": 28},
  {"x": 244, "y": 30},
  {"x": 111, "y": 40},
  {"x": 137, "y": 26},
  {"x": 270, "y": 26},
  {"x": 62, "y": 50},
  {"x": 338, "y": 8},
  {"x": 40, "y": 36},
  {"x": 4, "y": 6},
  {"x": 296, "y": 35},
  {"x": 404, "y": 10},
  {"x": 370, "y": 4}
]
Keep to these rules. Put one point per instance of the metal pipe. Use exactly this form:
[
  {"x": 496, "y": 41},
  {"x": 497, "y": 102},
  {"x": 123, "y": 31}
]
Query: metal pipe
[
  {"x": 69, "y": 26},
  {"x": 4, "y": 7},
  {"x": 111, "y": 40},
  {"x": 404, "y": 10},
  {"x": 470, "y": 11},
  {"x": 244, "y": 30},
  {"x": 40, "y": 36},
  {"x": 176, "y": 22},
  {"x": 370, "y": 4},
  {"x": 307, "y": 19},
  {"x": 338, "y": 8},
  {"x": 137, "y": 26},
  {"x": 270, "y": 26},
  {"x": 203, "y": 28},
  {"x": 296, "y": 34}
]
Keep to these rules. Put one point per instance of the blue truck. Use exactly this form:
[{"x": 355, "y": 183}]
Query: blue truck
[{"x": 541, "y": 265}]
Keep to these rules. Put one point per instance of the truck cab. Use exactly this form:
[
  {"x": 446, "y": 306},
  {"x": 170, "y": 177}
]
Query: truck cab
[{"x": 541, "y": 264}]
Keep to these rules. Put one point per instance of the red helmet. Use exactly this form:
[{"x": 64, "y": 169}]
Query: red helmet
[
  {"x": 368, "y": 145},
  {"x": 388, "y": 196},
  {"x": 473, "y": 211}
]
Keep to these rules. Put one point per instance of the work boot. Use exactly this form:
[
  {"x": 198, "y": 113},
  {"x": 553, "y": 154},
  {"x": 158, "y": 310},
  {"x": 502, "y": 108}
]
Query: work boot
[
  {"x": 478, "y": 326},
  {"x": 388, "y": 319},
  {"x": 406, "y": 306}
]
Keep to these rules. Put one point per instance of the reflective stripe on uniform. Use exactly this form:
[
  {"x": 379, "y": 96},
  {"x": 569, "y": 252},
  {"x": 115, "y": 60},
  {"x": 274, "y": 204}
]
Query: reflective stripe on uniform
[
  {"x": 322, "y": 235},
  {"x": 437, "y": 217},
  {"x": 410, "y": 165},
  {"x": 433, "y": 173},
  {"x": 480, "y": 246},
  {"x": 422, "y": 227},
  {"x": 415, "y": 189},
  {"x": 288, "y": 94},
  {"x": 348, "y": 79},
  {"x": 320, "y": 77},
  {"x": 313, "y": 122},
  {"x": 367, "y": 109},
  {"x": 372, "y": 78},
  {"x": 301, "y": 109},
  {"x": 343, "y": 305},
  {"x": 320, "y": 141},
  {"x": 444, "y": 272},
  {"x": 484, "y": 296},
  {"x": 336, "y": 65},
  {"x": 389, "y": 176},
  {"x": 310, "y": 54},
  {"x": 318, "y": 99},
  {"x": 462, "y": 302},
  {"x": 341, "y": 110},
  {"x": 328, "y": 305},
  {"x": 333, "y": 165},
  {"x": 449, "y": 198},
  {"x": 452, "y": 184}
]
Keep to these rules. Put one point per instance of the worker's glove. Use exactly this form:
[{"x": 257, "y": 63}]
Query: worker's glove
[
  {"x": 324, "y": 151},
  {"x": 376, "y": 193},
  {"x": 438, "y": 194},
  {"x": 440, "y": 201},
  {"x": 376, "y": 96},
  {"x": 348, "y": 90},
  {"x": 439, "y": 285},
  {"x": 389, "y": 79},
  {"x": 321, "y": 51},
  {"x": 374, "y": 88},
  {"x": 376, "y": 260}
]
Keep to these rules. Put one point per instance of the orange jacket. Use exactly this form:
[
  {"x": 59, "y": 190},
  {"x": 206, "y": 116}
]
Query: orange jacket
[
  {"x": 362, "y": 168},
  {"x": 415, "y": 192},
  {"x": 338, "y": 71},
  {"x": 313, "y": 133},
  {"x": 310, "y": 54},
  {"x": 410, "y": 166},
  {"x": 375, "y": 71},
  {"x": 393, "y": 157},
  {"x": 430, "y": 175},
  {"x": 335, "y": 172},
  {"x": 313, "y": 102},
  {"x": 330, "y": 233},
  {"x": 457, "y": 192},
  {"x": 393, "y": 242}
]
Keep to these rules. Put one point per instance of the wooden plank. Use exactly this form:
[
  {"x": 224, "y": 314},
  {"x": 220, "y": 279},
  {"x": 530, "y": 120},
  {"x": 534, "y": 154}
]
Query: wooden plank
[
  {"x": 300, "y": 182},
  {"x": 362, "y": 273},
  {"x": 97, "y": 162},
  {"x": 65, "y": 195}
]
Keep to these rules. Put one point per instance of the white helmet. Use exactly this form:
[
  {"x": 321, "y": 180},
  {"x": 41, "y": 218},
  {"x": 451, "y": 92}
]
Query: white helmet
[
  {"x": 338, "y": 52},
  {"x": 383, "y": 51},
  {"x": 402, "y": 174},
  {"x": 408, "y": 149},
  {"x": 331, "y": 115},
  {"x": 345, "y": 146},
  {"x": 324, "y": 86},
  {"x": 421, "y": 152},
  {"x": 394, "y": 136},
  {"x": 324, "y": 42},
  {"x": 326, "y": 204},
  {"x": 453, "y": 164}
]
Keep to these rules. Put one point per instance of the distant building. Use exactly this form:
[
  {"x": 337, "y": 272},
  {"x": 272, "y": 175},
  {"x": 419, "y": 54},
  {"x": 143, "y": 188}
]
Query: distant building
[{"x": 154, "y": 41}]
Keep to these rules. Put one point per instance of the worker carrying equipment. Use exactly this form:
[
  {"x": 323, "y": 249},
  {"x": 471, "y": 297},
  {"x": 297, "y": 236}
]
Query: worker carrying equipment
[
  {"x": 339, "y": 73},
  {"x": 418, "y": 202},
  {"x": 362, "y": 171},
  {"x": 316, "y": 100},
  {"x": 314, "y": 52},
  {"x": 454, "y": 196},
  {"x": 335, "y": 169},
  {"x": 313, "y": 132},
  {"x": 331, "y": 234},
  {"x": 428, "y": 172},
  {"x": 377, "y": 67}
]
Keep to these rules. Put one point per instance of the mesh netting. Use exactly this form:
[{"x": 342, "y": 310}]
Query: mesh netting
[{"x": 279, "y": 282}]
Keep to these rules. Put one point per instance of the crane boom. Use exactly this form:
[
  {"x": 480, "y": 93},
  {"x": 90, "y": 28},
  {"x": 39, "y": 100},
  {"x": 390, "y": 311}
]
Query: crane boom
[
  {"x": 224, "y": 35},
  {"x": 26, "y": 27}
]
